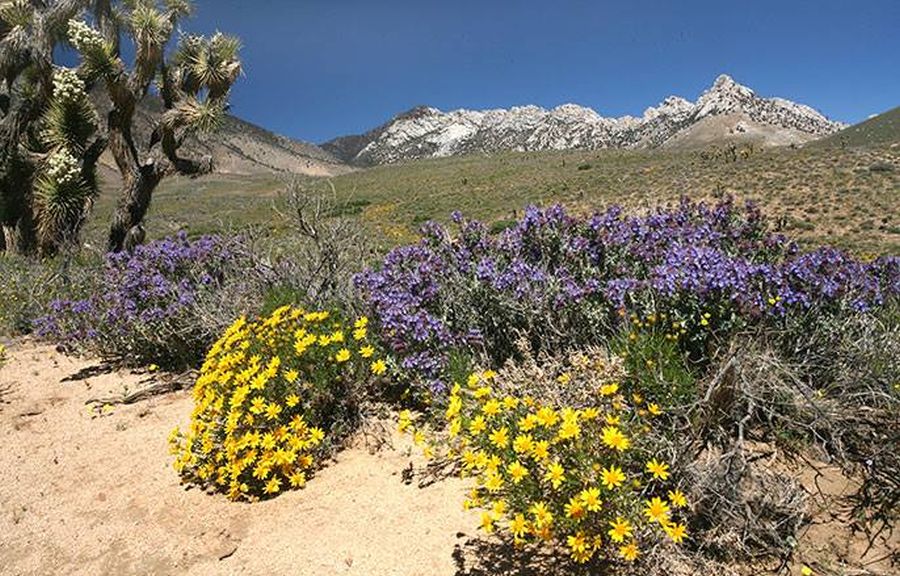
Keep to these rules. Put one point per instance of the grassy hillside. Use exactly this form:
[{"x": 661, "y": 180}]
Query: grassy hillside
[
  {"x": 882, "y": 129},
  {"x": 847, "y": 197}
]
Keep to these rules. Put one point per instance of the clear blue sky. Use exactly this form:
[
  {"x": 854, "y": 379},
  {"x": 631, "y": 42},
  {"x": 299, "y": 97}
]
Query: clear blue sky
[{"x": 316, "y": 69}]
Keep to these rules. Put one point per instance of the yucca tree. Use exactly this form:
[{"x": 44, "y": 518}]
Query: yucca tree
[
  {"x": 65, "y": 184},
  {"x": 35, "y": 131},
  {"x": 193, "y": 82}
]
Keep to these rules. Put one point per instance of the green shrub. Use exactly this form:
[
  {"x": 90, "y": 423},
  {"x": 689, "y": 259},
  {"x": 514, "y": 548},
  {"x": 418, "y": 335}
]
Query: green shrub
[{"x": 655, "y": 360}]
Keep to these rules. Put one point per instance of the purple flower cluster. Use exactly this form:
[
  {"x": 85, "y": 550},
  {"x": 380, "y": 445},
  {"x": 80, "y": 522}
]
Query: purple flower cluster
[
  {"x": 561, "y": 281},
  {"x": 139, "y": 309}
]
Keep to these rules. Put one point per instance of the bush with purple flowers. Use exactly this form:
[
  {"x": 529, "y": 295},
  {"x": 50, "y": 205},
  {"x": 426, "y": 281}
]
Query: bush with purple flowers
[
  {"x": 142, "y": 309},
  {"x": 563, "y": 282}
]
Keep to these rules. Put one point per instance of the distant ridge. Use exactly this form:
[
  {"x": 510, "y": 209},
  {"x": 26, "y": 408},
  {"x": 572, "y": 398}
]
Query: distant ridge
[
  {"x": 727, "y": 110},
  {"x": 240, "y": 147}
]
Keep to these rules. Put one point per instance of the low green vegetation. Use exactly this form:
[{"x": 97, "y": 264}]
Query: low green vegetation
[{"x": 816, "y": 195}]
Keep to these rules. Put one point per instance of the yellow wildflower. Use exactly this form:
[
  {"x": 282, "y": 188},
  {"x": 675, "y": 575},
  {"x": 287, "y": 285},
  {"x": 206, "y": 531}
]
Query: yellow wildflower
[
  {"x": 575, "y": 508},
  {"x": 609, "y": 389},
  {"x": 404, "y": 421},
  {"x": 379, "y": 367},
  {"x": 494, "y": 482},
  {"x": 542, "y": 514},
  {"x": 555, "y": 475},
  {"x": 659, "y": 470},
  {"x": 517, "y": 472},
  {"x": 547, "y": 417},
  {"x": 487, "y": 522},
  {"x": 621, "y": 529},
  {"x": 523, "y": 443},
  {"x": 677, "y": 498},
  {"x": 676, "y": 532},
  {"x": 272, "y": 411},
  {"x": 541, "y": 450},
  {"x": 569, "y": 429},
  {"x": 273, "y": 485},
  {"x": 590, "y": 497},
  {"x": 258, "y": 405},
  {"x": 614, "y": 438},
  {"x": 491, "y": 408},
  {"x": 656, "y": 510},
  {"x": 518, "y": 526},
  {"x": 499, "y": 437},
  {"x": 629, "y": 552},
  {"x": 612, "y": 477}
]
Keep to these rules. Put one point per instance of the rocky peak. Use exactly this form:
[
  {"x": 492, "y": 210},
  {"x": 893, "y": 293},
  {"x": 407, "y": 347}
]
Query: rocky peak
[{"x": 725, "y": 96}]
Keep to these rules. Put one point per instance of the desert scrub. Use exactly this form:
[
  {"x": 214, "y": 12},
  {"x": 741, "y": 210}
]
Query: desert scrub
[
  {"x": 566, "y": 282},
  {"x": 2, "y": 355},
  {"x": 570, "y": 465},
  {"x": 273, "y": 396},
  {"x": 144, "y": 307}
]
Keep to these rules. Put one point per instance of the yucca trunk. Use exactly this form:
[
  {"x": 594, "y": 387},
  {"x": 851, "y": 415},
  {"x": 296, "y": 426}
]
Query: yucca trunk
[
  {"x": 19, "y": 238},
  {"x": 137, "y": 192}
]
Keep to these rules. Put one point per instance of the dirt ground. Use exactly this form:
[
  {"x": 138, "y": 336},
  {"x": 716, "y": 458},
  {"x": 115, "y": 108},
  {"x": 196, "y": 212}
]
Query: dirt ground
[{"x": 88, "y": 492}]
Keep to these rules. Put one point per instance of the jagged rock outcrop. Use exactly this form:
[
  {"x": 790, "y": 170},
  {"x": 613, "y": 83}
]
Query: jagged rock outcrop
[{"x": 425, "y": 132}]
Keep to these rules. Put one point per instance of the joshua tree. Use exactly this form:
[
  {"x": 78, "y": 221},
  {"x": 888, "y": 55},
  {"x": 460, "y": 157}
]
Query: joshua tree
[
  {"x": 193, "y": 83},
  {"x": 48, "y": 143}
]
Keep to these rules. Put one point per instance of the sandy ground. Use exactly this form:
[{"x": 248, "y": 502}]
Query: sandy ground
[
  {"x": 82, "y": 494},
  {"x": 89, "y": 493}
]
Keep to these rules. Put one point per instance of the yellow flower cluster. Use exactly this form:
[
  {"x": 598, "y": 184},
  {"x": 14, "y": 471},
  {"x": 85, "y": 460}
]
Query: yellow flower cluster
[
  {"x": 2, "y": 355},
  {"x": 583, "y": 477},
  {"x": 264, "y": 391}
]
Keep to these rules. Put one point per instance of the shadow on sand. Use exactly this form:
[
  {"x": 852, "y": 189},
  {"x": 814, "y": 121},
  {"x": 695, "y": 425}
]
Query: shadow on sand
[{"x": 496, "y": 557}]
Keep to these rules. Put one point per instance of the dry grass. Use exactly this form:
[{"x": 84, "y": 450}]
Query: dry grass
[{"x": 845, "y": 197}]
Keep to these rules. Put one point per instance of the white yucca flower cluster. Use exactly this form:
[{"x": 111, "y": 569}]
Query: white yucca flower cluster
[
  {"x": 63, "y": 167},
  {"x": 67, "y": 85},
  {"x": 83, "y": 37}
]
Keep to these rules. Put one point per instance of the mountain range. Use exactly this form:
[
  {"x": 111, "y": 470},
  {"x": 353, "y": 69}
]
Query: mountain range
[{"x": 725, "y": 111}]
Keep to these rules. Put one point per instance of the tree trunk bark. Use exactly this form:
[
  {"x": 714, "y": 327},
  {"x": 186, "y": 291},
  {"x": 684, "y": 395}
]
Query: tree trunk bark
[
  {"x": 19, "y": 237},
  {"x": 137, "y": 191}
]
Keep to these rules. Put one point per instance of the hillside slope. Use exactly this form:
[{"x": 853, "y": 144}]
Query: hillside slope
[
  {"x": 240, "y": 147},
  {"x": 883, "y": 128}
]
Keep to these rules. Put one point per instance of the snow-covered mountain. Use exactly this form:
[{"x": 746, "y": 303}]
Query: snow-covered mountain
[{"x": 425, "y": 132}]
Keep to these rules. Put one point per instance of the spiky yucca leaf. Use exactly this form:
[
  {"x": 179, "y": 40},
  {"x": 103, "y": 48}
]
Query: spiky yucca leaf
[
  {"x": 60, "y": 208},
  {"x": 15, "y": 51},
  {"x": 208, "y": 63},
  {"x": 150, "y": 28},
  {"x": 97, "y": 52},
  {"x": 195, "y": 115},
  {"x": 70, "y": 124},
  {"x": 16, "y": 13},
  {"x": 179, "y": 8}
]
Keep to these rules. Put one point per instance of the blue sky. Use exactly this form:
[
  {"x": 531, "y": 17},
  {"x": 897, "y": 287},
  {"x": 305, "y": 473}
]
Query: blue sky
[{"x": 316, "y": 69}]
